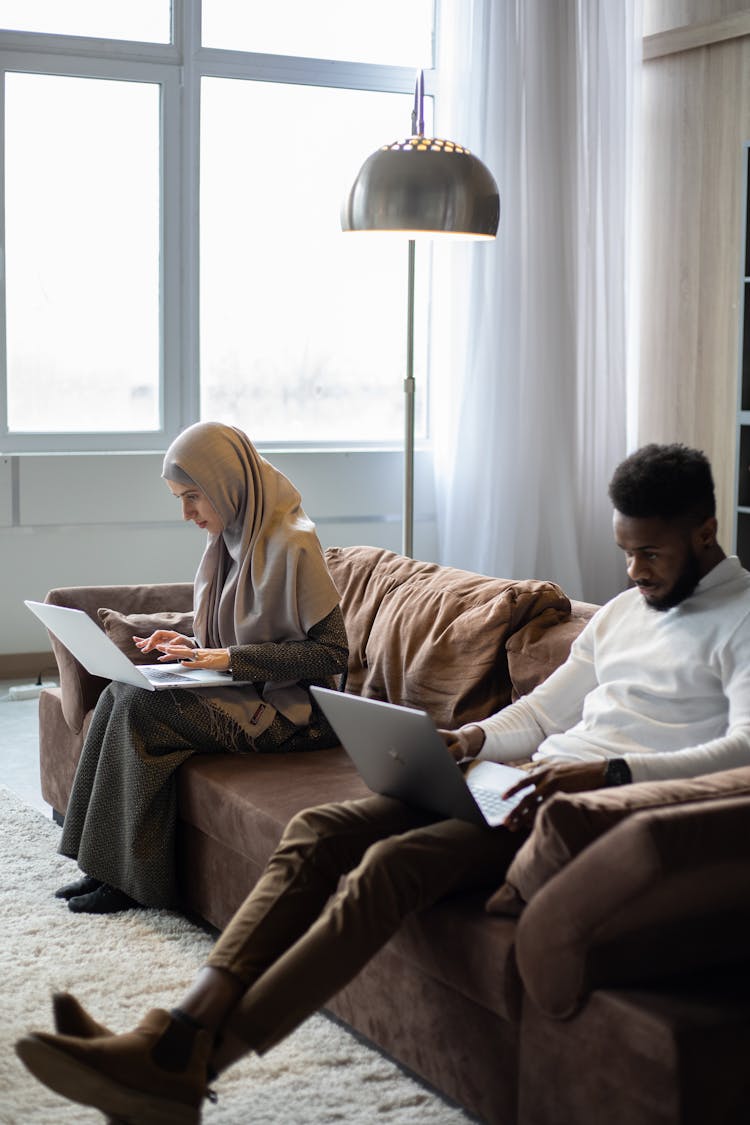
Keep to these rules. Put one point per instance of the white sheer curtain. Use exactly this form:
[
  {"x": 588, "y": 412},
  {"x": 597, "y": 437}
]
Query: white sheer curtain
[{"x": 531, "y": 355}]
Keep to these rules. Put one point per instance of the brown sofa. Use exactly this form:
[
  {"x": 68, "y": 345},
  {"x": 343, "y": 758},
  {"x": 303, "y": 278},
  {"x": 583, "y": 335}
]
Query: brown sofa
[{"x": 607, "y": 980}]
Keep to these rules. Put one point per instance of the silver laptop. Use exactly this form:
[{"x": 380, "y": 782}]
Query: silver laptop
[
  {"x": 399, "y": 753},
  {"x": 100, "y": 656}
]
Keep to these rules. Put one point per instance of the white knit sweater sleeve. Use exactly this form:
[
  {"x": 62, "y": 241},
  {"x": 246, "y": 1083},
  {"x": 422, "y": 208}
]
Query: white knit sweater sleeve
[
  {"x": 554, "y": 706},
  {"x": 726, "y": 753}
]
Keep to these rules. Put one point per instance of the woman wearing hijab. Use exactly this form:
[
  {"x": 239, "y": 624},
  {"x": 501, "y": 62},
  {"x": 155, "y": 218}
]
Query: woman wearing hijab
[{"x": 266, "y": 611}]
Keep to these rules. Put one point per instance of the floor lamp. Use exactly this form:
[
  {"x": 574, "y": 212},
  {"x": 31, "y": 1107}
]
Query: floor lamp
[{"x": 421, "y": 187}]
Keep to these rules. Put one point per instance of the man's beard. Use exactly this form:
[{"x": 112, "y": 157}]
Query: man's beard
[{"x": 684, "y": 586}]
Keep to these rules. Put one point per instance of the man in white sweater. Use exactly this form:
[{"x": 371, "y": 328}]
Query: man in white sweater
[
  {"x": 658, "y": 683},
  {"x": 657, "y": 686}
]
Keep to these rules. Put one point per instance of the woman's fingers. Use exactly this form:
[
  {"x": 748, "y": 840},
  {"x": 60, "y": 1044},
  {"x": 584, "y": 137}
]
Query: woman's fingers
[
  {"x": 174, "y": 650},
  {"x": 216, "y": 659},
  {"x": 157, "y": 639}
]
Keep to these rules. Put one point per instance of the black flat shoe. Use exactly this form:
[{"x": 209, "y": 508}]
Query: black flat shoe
[
  {"x": 104, "y": 900},
  {"x": 82, "y": 886}
]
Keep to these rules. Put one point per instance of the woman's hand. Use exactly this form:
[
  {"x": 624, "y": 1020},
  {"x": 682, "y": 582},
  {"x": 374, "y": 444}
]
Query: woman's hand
[
  {"x": 466, "y": 742},
  {"x": 160, "y": 638},
  {"x": 215, "y": 659}
]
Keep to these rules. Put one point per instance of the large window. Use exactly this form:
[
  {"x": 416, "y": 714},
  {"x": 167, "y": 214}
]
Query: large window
[
  {"x": 81, "y": 253},
  {"x": 170, "y": 220}
]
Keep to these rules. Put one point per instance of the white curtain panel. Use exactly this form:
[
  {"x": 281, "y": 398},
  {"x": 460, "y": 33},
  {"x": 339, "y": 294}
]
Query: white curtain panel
[{"x": 533, "y": 334}]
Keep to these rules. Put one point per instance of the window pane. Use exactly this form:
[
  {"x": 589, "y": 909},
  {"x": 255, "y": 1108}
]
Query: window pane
[
  {"x": 393, "y": 32},
  {"x": 82, "y": 254},
  {"x": 147, "y": 21},
  {"x": 303, "y": 327}
]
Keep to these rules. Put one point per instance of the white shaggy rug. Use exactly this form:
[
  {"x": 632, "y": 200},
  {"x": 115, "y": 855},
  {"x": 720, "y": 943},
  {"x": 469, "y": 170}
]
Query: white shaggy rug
[{"x": 122, "y": 965}]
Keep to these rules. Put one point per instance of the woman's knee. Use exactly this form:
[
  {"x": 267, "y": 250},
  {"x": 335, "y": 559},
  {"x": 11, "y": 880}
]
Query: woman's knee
[
  {"x": 140, "y": 709},
  {"x": 117, "y": 697}
]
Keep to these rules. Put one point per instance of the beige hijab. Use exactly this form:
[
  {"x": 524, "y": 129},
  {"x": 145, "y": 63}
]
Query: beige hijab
[{"x": 264, "y": 578}]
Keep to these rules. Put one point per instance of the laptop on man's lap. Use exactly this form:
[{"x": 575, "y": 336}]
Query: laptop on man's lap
[{"x": 399, "y": 753}]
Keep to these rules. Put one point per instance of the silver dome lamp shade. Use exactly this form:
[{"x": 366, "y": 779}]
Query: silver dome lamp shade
[
  {"x": 420, "y": 187},
  {"x": 423, "y": 186}
]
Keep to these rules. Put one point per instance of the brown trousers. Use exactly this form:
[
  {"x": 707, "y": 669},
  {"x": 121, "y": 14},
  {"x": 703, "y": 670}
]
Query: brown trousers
[{"x": 298, "y": 938}]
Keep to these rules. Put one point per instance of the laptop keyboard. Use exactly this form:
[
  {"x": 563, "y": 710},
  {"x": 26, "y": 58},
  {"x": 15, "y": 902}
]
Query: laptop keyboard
[
  {"x": 492, "y": 803},
  {"x": 166, "y": 675}
]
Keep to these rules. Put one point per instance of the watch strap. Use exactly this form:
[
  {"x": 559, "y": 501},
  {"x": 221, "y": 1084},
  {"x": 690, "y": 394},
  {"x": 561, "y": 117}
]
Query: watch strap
[{"x": 617, "y": 772}]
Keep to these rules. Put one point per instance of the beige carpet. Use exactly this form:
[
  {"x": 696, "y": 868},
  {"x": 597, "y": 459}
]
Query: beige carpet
[{"x": 124, "y": 964}]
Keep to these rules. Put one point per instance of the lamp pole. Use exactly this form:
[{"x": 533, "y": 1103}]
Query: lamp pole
[
  {"x": 409, "y": 390},
  {"x": 417, "y": 129}
]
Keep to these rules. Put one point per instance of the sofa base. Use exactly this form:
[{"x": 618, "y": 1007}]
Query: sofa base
[
  {"x": 466, "y": 1052},
  {"x": 673, "y": 1056}
]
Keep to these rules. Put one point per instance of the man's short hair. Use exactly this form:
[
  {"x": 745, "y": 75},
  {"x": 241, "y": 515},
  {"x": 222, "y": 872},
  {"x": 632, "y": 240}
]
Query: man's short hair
[{"x": 671, "y": 482}]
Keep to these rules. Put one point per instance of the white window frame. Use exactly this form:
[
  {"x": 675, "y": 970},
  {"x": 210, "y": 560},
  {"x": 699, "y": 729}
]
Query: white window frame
[{"x": 178, "y": 68}]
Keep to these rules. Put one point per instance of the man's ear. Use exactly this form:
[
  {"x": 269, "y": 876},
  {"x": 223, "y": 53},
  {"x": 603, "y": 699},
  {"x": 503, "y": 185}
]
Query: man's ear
[{"x": 705, "y": 535}]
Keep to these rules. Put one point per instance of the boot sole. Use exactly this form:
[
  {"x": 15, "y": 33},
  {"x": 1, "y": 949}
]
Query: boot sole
[{"x": 87, "y": 1086}]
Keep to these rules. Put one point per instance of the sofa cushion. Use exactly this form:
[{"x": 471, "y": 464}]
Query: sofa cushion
[
  {"x": 245, "y": 800},
  {"x": 431, "y": 636},
  {"x": 569, "y": 822},
  {"x": 122, "y": 627},
  {"x": 536, "y": 649}
]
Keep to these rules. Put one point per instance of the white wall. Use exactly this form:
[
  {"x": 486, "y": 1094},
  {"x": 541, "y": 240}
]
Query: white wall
[
  {"x": 81, "y": 520},
  {"x": 696, "y": 79}
]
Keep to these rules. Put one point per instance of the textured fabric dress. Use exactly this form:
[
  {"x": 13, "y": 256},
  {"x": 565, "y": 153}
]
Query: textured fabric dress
[{"x": 263, "y": 591}]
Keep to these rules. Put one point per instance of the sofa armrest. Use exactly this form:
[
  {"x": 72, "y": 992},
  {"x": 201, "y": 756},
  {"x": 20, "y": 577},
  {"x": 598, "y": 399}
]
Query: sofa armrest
[
  {"x": 665, "y": 892},
  {"x": 79, "y": 689}
]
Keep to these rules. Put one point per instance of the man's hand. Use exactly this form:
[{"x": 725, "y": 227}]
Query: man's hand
[
  {"x": 466, "y": 742},
  {"x": 568, "y": 777}
]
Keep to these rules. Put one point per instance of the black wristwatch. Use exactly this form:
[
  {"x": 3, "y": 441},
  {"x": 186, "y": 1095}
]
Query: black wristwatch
[{"x": 617, "y": 772}]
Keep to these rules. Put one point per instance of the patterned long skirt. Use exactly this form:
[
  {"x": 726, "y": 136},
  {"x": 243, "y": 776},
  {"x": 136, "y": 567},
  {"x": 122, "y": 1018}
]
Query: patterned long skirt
[{"x": 121, "y": 817}]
